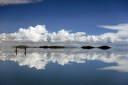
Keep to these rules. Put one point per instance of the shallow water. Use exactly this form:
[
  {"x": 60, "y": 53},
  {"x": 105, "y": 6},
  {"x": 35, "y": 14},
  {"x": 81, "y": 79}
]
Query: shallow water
[{"x": 71, "y": 66}]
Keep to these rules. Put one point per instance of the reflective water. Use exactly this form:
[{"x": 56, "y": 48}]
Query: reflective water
[{"x": 64, "y": 67}]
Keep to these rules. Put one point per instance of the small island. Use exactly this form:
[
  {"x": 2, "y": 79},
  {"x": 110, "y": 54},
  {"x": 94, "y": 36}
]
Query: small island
[
  {"x": 87, "y": 47},
  {"x": 52, "y": 47},
  {"x": 104, "y": 47},
  {"x": 101, "y": 47}
]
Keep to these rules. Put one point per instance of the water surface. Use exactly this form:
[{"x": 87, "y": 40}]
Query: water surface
[{"x": 64, "y": 67}]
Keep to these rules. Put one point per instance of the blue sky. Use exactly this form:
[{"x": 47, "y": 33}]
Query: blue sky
[{"x": 75, "y": 15}]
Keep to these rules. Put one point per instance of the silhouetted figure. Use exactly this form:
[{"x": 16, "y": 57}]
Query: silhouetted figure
[
  {"x": 87, "y": 47},
  {"x": 104, "y": 47}
]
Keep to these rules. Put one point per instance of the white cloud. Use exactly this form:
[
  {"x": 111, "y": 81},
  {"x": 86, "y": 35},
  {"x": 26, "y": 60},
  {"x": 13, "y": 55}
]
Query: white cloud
[
  {"x": 122, "y": 30},
  {"x": 121, "y": 27},
  {"x": 40, "y": 34},
  {"x": 6, "y": 2}
]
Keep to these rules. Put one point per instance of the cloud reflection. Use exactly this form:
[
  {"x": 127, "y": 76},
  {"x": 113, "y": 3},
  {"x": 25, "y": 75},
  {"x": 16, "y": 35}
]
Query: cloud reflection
[{"x": 40, "y": 59}]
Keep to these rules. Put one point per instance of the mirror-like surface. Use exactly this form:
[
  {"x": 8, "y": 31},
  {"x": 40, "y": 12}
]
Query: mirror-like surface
[{"x": 71, "y": 66}]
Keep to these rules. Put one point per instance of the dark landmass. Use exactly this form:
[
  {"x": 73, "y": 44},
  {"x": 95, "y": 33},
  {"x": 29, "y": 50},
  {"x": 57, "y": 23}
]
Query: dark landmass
[
  {"x": 21, "y": 46},
  {"x": 104, "y": 47},
  {"x": 45, "y": 47},
  {"x": 52, "y": 47},
  {"x": 91, "y": 47},
  {"x": 56, "y": 47},
  {"x": 87, "y": 47}
]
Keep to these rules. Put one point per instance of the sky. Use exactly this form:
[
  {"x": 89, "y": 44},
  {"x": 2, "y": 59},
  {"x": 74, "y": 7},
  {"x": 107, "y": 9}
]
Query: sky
[
  {"x": 89, "y": 16},
  {"x": 75, "y": 15}
]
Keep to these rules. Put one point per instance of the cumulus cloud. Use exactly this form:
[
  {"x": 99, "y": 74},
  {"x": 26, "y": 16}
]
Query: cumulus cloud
[
  {"x": 40, "y": 34},
  {"x": 6, "y": 2}
]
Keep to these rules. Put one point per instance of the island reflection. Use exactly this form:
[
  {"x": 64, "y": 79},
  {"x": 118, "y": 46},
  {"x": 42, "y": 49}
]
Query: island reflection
[{"x": 40, "y": 59}]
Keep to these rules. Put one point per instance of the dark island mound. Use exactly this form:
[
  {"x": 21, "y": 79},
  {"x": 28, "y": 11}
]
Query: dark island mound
[
  {"x": 25, "y": 46},
  {"x": 52, "y": 47},
  {"x": 87, "y": 47},
  {"x": 21, "y": 46},
  {"x": 104, "y": 47}
]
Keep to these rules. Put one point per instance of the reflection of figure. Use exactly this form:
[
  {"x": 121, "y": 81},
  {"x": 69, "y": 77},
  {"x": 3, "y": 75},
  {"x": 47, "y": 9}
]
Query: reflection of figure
[
  {"x": 39, "y": 60},
  {"x": 20, "y": 48},
  {"x": 16, "y": 50},
  {"x": 25, "y": 51}
]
